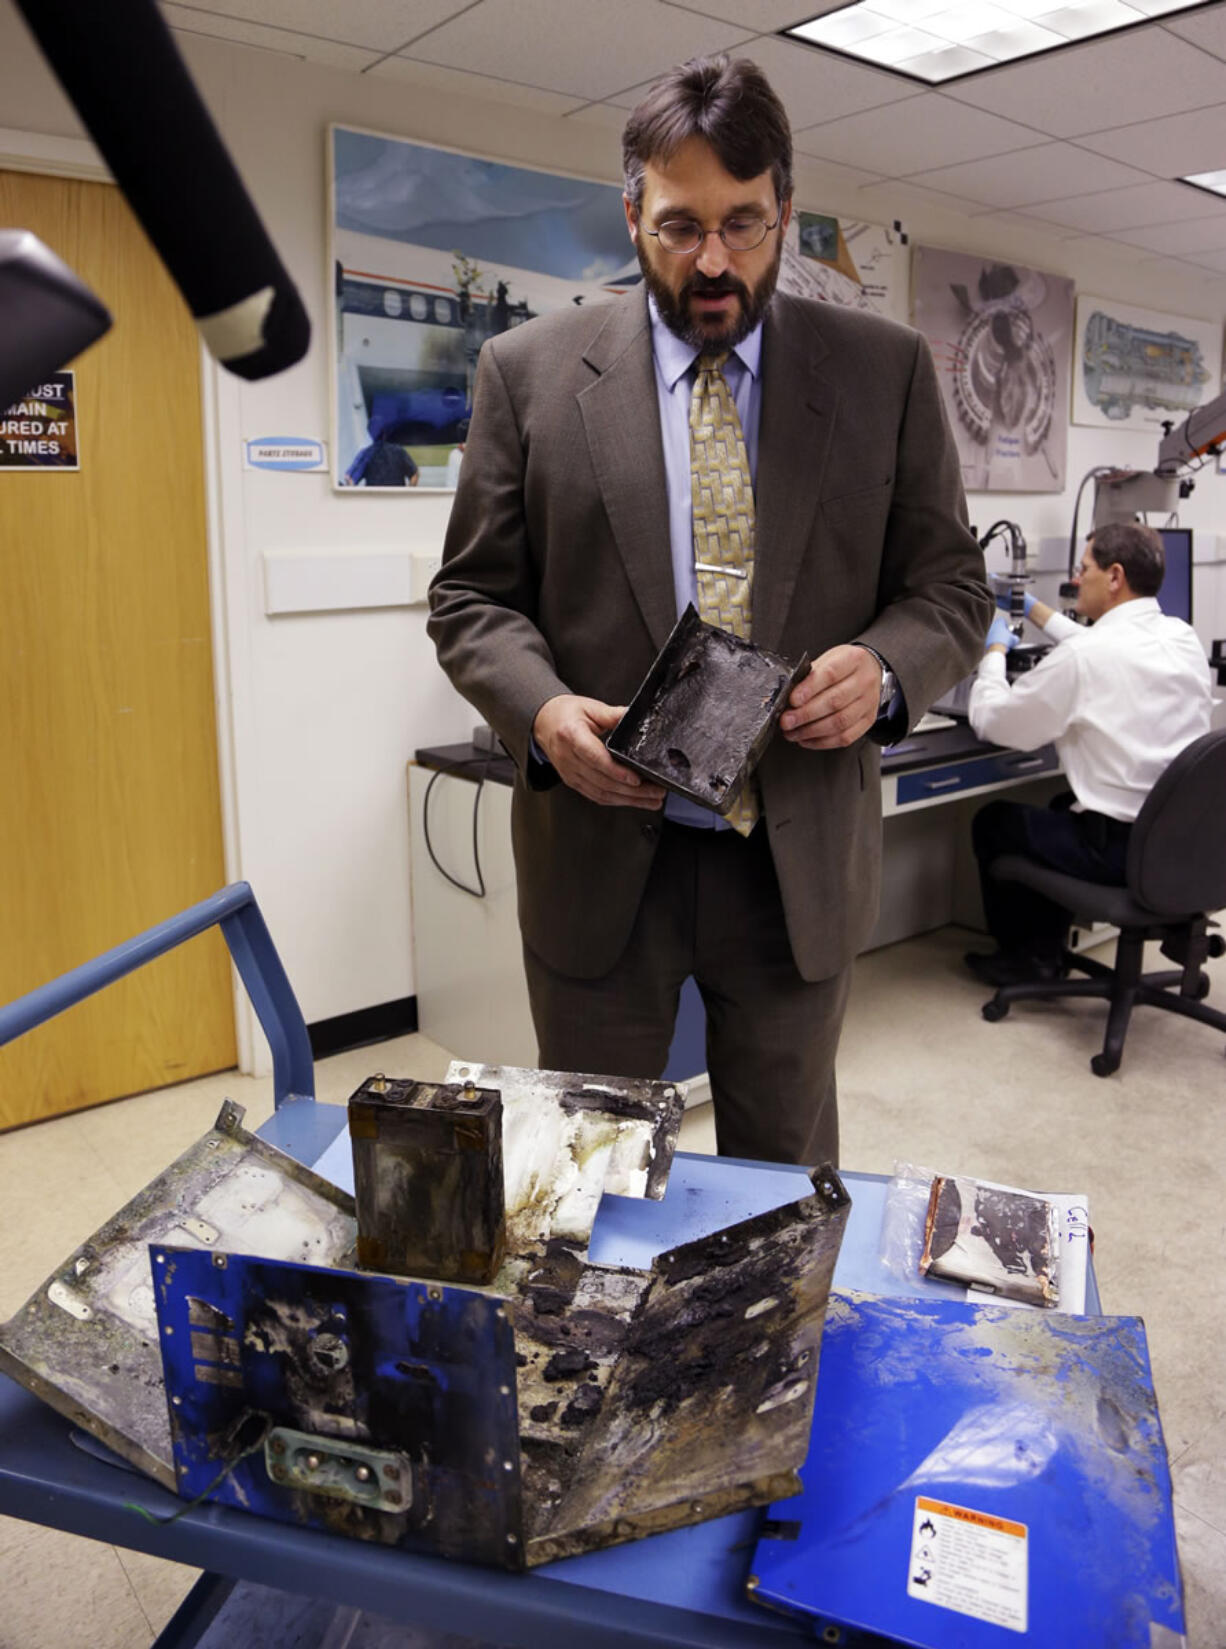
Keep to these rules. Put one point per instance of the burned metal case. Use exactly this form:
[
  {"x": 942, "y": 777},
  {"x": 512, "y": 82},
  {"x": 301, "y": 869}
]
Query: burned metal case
[
  {"x": 367, "y": 1406},
  {"x": 428, "y": 1182},
  {"x": 86, "y": 1342},
  {"x": 593, "y": 1405},
  {"x": 705, "y": 712}
]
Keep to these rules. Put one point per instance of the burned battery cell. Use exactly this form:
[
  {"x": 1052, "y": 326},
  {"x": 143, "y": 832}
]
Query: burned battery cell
[
  {"x": 427, "y": 1169},
  {"x": 705, "y": 712}
]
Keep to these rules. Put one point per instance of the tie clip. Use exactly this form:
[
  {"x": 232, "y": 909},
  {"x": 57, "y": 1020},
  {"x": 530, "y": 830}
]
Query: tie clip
[{"x": 716, "y": 567}]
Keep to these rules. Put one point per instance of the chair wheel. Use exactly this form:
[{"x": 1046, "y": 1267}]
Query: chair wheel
[
  {"x": 1202, "y": 988},
  {"x": 994, "y": 1010},
  {"x": 1103, "y": 1065},
  {"x": 1217, "y": 945}
]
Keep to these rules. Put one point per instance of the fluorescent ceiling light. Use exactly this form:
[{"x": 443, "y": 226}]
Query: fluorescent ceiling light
[
  {"x": 938, "y": 40},
  {"x": 1216, "y": 181}
]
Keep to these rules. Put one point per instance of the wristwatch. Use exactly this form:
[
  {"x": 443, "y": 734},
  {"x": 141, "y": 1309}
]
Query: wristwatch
[
  {"x": 889, "y": 681},
  {"x": 889, "y": 686}
]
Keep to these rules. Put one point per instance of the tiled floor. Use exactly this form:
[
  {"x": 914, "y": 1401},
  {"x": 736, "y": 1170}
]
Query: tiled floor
[{"x": 923, "y": 1079}]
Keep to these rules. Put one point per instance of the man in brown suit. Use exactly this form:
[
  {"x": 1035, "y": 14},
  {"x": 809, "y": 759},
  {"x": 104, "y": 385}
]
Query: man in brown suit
[{"x": 569, "y": 555}]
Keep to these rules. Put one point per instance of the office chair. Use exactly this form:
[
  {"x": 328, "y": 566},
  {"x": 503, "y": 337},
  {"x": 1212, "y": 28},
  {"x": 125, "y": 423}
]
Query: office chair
[{"x": 1176, "y": 876}]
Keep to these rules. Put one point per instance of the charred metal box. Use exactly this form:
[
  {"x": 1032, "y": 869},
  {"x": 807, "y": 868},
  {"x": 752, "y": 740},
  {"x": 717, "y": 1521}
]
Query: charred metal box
[
  {"x": 427, "y": 1171},
  {"x": 705, "y": 712}
]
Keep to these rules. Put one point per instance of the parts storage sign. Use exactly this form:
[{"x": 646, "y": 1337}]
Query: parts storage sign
[{"x": 40, "y": 431}]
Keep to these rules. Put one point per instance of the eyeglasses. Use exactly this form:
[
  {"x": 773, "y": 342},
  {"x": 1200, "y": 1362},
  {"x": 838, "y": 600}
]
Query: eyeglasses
[{"x": 740, "y": 234}]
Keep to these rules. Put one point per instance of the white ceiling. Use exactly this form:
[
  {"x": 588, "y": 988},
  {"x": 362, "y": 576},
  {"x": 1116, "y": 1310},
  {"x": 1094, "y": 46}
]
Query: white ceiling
[{"x": 1085, "y": 142}]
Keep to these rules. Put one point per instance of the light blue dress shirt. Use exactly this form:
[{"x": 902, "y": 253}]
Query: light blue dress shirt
[{"x": 674, "y": 386}]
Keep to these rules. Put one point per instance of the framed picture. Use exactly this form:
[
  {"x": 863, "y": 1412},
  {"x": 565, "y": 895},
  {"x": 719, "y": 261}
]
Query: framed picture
[
  {"x": 1002, "y": 338},
  {"x": 433, "y": 251},
  {"x": 1138, "y": 368}
]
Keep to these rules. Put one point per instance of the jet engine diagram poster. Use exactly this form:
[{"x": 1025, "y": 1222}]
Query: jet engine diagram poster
[
  {"x": 39, "y": 432},
  {"x": 433, "y": 252},
  {"x": 1138, "y": 369},
  {"x": 1002, "y": 339},
  {"x": 860, "y": 265}
]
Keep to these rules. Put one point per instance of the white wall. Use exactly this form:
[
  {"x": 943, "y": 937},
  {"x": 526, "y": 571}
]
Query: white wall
[{"x": 320, "y": 712}]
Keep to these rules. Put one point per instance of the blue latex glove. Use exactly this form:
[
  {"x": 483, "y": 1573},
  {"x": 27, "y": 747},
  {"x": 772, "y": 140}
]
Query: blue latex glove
[
  {"x": 1002, "y": 601},
  {"x": 1000, "y": 634}
]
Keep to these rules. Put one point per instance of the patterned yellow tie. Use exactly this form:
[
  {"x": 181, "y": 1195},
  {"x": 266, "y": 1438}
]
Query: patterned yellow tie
[{"x": 721, "y": 490}]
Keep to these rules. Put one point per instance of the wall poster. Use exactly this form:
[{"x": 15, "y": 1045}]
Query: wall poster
[
  {"x": 862, "y": 265},
  {"x": 432, "y": 252},
  {"x": 39, "y": 432},
  {"x": 1002, "y": 338},
  {"x": 1138, "y": 368}
]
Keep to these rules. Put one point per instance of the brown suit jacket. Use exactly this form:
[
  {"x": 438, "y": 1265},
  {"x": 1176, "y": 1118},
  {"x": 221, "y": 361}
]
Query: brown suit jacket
[{"x": 557, "y": 577}]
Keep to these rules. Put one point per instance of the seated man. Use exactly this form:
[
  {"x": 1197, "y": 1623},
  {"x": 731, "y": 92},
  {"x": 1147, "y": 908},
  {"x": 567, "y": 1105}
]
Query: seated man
[{"x": 1119, "y": 700}]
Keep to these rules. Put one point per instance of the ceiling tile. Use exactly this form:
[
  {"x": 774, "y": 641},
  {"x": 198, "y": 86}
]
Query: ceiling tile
[
  {"x": 608, "y": 115},
  {"x": 916, "y": 135},
  {"x": 585, "y": 48},
  {"x": 1150, "y": 203},
  {"x": 891, "y": 195},
  {"x": 763, "y": 16},
  {"x": 309, "y": 48},
  {"x": 817, "y": 180},
  {"x": 1041, "y": 174},
  {"x": 382, "y": 25},
  {"x": 813, "y": 85},
  {"x": 1208, "y": 260},
  {"x": 1204, "y": 28},
  {"x": 1180, "y": 239},
  {"x": 1084, "y": 88},
  {"x": 413, "y": 73},
  {"x": 1191, "y": 142}
]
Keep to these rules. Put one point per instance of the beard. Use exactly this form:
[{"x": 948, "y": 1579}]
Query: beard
[{"x": 678, "y": 317}]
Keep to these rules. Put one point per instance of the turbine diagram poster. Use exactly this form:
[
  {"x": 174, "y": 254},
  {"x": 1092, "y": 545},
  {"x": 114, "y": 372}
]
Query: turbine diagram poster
[
  {"x": 433, "y": 252},
  {"x": 840, "y": 260},
  {"x": 1137, "y": 368},
  {"x": 1002, "y": 339}
]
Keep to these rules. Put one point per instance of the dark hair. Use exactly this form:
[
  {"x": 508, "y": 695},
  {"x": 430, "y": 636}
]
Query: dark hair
[
  {"x": 728, "y": 103},
  {"x": 1137, "y": 549}
]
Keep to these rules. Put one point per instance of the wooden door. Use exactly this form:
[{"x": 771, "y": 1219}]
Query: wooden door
[{"x": 110, "y": 816}]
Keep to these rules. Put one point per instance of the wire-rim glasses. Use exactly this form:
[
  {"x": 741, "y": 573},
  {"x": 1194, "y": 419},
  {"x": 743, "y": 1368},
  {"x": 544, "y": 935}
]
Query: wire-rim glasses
[{"x": 743, "y": 233}]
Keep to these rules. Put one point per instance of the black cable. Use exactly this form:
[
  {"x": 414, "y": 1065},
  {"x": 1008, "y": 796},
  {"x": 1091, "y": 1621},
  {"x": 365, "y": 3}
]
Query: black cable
[
  {"x": 483, "y": 762},
  {"x": 1090, "y": 475}
]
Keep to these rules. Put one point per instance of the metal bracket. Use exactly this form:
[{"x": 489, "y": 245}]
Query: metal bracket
[{"x": 378, "y": 1478}]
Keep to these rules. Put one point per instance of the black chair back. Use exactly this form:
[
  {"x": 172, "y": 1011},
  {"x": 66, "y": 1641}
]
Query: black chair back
[{"x": 1177, "y": 850}]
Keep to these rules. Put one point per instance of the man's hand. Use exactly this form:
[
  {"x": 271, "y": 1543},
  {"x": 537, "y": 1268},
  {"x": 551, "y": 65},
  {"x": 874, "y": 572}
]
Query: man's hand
[
  {"x": 836, "y": 703},
  {"x": 1004, "y": 602},
  {"x": 569, "y": 730}
]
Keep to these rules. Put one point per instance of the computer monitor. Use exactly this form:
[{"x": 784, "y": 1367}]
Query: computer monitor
[{"x": 1175, "y": 596}]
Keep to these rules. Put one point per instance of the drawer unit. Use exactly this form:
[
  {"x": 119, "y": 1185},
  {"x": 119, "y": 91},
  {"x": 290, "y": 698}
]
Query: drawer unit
[{"x": 934, "y": 784}]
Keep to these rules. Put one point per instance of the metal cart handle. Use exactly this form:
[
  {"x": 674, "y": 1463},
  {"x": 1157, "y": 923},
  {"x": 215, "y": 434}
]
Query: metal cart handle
[{"x": 235, "y": 911}]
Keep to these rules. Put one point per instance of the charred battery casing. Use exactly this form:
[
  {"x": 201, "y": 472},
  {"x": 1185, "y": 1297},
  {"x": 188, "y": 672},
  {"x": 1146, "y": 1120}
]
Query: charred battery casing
[
  {"x": 706, "y": 711},
  {"x": 427, "y": 1171}
]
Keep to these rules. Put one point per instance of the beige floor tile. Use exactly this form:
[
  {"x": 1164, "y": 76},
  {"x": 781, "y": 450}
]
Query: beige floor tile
[
  {"x": 62, "y": 1592},
  {"x": 1200, "y": 1479},
  {"x": 698, "y": 1131},
  {"x": 160, "y": 1587},
  {"x": 404, "y": 1056},
  {"x": 1202, "y": 1554}
]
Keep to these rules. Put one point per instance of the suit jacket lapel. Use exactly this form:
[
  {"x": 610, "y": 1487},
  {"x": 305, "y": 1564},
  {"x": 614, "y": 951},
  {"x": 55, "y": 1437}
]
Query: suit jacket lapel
[
  {"x": 621, "y": 418},
  {"x": 799, "y": 403}
]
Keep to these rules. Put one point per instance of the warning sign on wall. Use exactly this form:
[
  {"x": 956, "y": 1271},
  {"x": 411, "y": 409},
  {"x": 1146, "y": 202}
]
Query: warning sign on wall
[{"x": 40, "y": 431}]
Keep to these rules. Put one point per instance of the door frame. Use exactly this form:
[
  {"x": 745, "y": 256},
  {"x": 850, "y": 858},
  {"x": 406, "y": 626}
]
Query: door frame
[{"x": 225, "y": 529}]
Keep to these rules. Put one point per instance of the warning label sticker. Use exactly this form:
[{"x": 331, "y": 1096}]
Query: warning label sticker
[{"x": 969, "y": 1561}]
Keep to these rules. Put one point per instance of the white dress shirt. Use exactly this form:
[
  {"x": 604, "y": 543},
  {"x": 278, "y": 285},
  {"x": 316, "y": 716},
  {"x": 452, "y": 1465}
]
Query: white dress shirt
[{"x": 1119, "y": 700}]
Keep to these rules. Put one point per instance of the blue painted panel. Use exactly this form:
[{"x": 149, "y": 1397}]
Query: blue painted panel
[
  {"x": 1031, "y": 1418},
  {"x": 423, "y": 1370}
]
